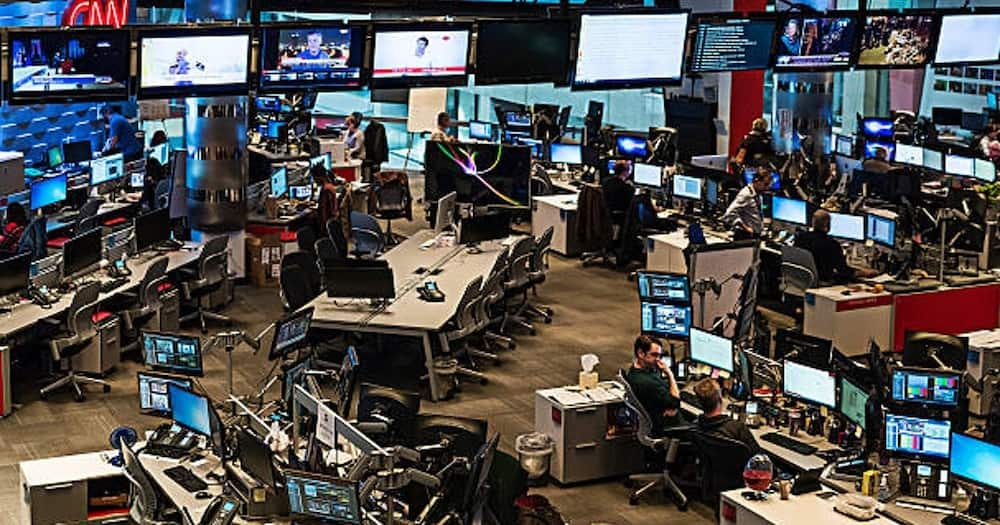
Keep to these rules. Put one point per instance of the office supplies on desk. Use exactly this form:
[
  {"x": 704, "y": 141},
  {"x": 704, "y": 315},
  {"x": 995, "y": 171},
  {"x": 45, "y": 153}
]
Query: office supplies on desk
[{"x": 430, "y": 292}]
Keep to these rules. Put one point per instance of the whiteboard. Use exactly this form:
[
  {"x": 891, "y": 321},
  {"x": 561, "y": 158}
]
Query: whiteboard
[{"x": 424, "y": 106}]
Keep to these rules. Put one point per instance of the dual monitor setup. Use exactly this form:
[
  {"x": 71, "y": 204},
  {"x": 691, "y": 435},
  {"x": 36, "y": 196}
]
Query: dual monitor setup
[{"x": 870, "y": 227}]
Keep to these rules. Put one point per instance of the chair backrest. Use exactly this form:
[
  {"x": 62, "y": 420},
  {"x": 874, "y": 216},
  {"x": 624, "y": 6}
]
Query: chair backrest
[
  {"x": 33, "y": 239},
  {"x": 335, "y": 231},
  {"x": 798, "y": 271},
  {"x": 520, "y": 257},
  {"x": 542, "y": 246},
  {"x": 326, "y": 251},
  {"x": 213, "y": 262},
  {"x": 391, "y": 196},
  {"x": 306, "y": 238},
  {"x": 493, "y": 286},
  {"x": 645, "y": 433},
  {"x": 89, "y": 208},
  {"x": 477, "y": 486},
  {"x": 149, "y": 287},
  {"x": 367, "y": 233},
  {"x": 80, "y": 320},
  {"x": 144, "y": 498},
  {"x": 722, "y": 462},
  {"x": 300, "y": 279},
  {"x": 465, "y": 317}
]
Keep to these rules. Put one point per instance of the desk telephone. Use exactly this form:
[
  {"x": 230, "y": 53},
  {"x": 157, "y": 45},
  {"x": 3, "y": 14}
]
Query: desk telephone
[
  {"x": 170, "y": 435},
  {"x": 221, "y": 511},
  {"x": 430, "y": 292},
  {"x": 119, "y": 269},
  {"x": 42, "y": 296}
]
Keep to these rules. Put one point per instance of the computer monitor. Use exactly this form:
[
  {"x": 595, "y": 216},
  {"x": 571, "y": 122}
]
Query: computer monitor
[
  {"x": 154, "y": 395},
  {"x": 484, "y": 228},
  {"x": 77, "y": 151},
  {"x": 327, "y": 498},
  {"x": 479, "y": 130},
  {"x": 926, "y": 387},
  {"x": 959, "y": 165},
  {"x": 541, "y": 53},
  {"x": 687, "y": 187},
  {"x": 279, "y": 182},
  {"x": 276, "y": 130},
  {"x": 847, "y": 227},
  {"x": 647, "y": 175},
  {"x": 15, "y": 274},
  {"x": 318, "y": 56},
  {"x": 255, "y": 456},
  {"x": 152, "y": 229},
  {"x": 878, "y": 128},
  {"x": 302, "y": 192},
  {"x": 750, "y": 173},
  {"x": 324, "y": 159},
  {"x": 68, "y": 64},
  {"x": 360, "y": 281},
  {"x": 107, "y": 169},
  {"x": 444, "y": 214},
  {"x": 880, "y": 230},
  {"x": 663, "y": 286},
  {"x": 872, "y": 145},
  {"x": 933, "y": 160},
  {"x": 944, "y": 116},
  {"x": 190, "y": 410},
  {"x": 711, "y": 192},
  {"x": 845, "y": 145},
  {"x": 732, "y": 43},
  {"x": 172, "y": 353},
  {"x": 801, "y": 348},
  {"x": 712, "y": 350},
  {"x": 975, "y": 460},
  {"x": 853, "y": 402},
  {"x": 665, "y": 320},
  {"x": 809, "y": 384},
  {"x": 837, "y": 34},
  {"x": 571, "y": 154},
  {"x": 631, "y": 145},
  {"x": 48, "y": 191},
  {"x": 968, "y": 39},
  {"x": 917, "y": 438},
  {"x": 648, "y": 50},
  {"x": 137, "y": 180},
  {"x": 193, "y": 61},
  {"x": 897, "y": 41},
  {"x": 421, "y": 54},
  {"x": 792, "y": 211},
  {"x": 289, "y": 332},
  {"x": 81, "y": 253},
  {"x": 909, "y": 154},
  {"x": 483, "y": 174},
  {"x": 985, "y": 170},
  {"x": 54, "y": 156}
]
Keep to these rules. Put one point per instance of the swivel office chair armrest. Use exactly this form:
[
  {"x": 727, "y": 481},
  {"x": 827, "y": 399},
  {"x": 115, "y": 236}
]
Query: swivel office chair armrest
[
  {"x": 131, "y": 296},
  {"x": 51, "y": 321}
]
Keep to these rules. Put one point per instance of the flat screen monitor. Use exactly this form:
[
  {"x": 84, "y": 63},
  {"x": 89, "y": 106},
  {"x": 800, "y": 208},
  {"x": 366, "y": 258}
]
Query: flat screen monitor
[
  {"x": 160, "y": 152},
  {"x": 687, "y": 187},
  {"x": 878, "y": 128},
  {"x": 193, "y": 62},
  {"x": 897, "y": 40},
  {"x": 648, "y": 175},
  {"x": 947, "y": 116},
  {"x": 880, "y": 230},
  {"x": 276, "y": 130},
  {"x": 933, "y": 160},
  {"x": 154, "y": 395},
  {"x": 15, "y": 274},
  {"x": 61, "y": 65},
  {"x": 326, "y": 160},
  {"x": 853, "y": 402},
  {"x": 631, "y": 145},
  {"x": 255, "y": 456},
  {"x": 847, "y": 227},
  {"x": 959, "y": 165},
  {"x": 873, "y": 145},
  {"x": 320, "y": 57},
  {"x": 630, "y": 50},
  {"x": 792, "y": 211},
  {"x": 917, "y": 437},
  {"x": 712, "y": 350},
  {"x": 173, "y": 353},
  {"x": 815, "y": 42},
  {"x": 489, "y": 227},
  {"x": 190, "y": 410},
  {"x": 302, "y": 192},
  {"x": 137, "y": 180},
  {"x": 711, "y": 192},
  {"x": 749, "y": 173},
  {"x": 975, "y": 460},
  {"x": 421, "y": 55},
  {"x": 360, "y": 282},
  {"x": 279, "y": 182},
  {"x": 809, "y": 384},
  {"x": 81, "y": 252},
  {"x": 665, "y": 320},
  {"x": 926, "y": 387},
  {"x": 985, "y": 170},
  {"x": 289, "y": 332},
  {"x": 106, "y": 170},
  {"x": 955, "y": 45},
  {"x": 570, "y": 154},
  {"x": 522, "y": 51},
  {"x": 845, "y": 145},
  {"x": 54, "y": 156},
  {"x": 732, "y": 44},
  {"x": 909, "y": 154},
  {"x": 327, "y": 498},
  {"x": 48, "y": 191},
  {"x": 662, "y": 286},
  {"x": 482, "y": 174},
  {"x": 77, "y": 151},
  {"x": 479, "y": 130},
  {"x": 444, "y": 214},
  {"x": 802, "y": 348},
  {"x": 152, "y": 229}
]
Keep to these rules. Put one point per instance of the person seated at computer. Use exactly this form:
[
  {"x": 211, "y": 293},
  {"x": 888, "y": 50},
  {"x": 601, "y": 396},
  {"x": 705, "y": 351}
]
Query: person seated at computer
[
  {"x": 16, "y": 221},
  {"x": 653, "y": 384},
  {"x": 713, "y": 420},
  {"x": 744, "y": 214},
  {"x": 756, "y": 144},
  {"x": 990, "y": 134},
  {"x": 831, "y": 265},
  {"x": 441, "y": 134},
  {"x": 155, "y": 174},
  {"x": 355, "y": 138},
  {"x": 879, "y": 163},
  {"x": 159, "y": 137},
  {"x": 618, "y": 192}
]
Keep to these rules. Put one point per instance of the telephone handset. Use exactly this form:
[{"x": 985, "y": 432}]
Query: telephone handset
[
  {"x": 119, "y": 269},
  {"x": 222, "y": 511},
  {"x": 430, "y": 292}
]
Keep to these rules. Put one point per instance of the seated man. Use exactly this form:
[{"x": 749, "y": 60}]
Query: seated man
[
  {"x": 831, "y": 265},
  {"x": 713, "y": 420},
  {"x": 618, "y": 192},
  {"x": 654, "y": 384}
]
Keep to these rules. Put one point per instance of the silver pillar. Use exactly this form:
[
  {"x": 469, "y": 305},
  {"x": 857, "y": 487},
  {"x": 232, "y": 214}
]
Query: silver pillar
[{"x": 215, "y": 134}]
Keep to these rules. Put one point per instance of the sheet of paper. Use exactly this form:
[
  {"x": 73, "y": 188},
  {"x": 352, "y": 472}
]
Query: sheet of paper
[{"x": 325, "y": 425}]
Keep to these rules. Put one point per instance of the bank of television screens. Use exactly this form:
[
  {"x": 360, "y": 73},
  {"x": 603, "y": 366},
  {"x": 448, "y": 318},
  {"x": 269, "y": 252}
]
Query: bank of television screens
[
  {"x": 522, "y": 51},
  {"x": 809, "y": 384},
  {"x": 732, "y": 44},
  {"x": 975, "y": 460},
  {"x": 917, "y": 437},
  {"x": 968, "y": 39},
  {"x": 313, "y": 57},
  {"x": 712, "y": 350},
  {"x": 815, "y": 42},
  {"x": 630, "y": 50},
  {"x": 193, "y": 62},
  {"x": 66, "y": 65},
  {"x": 172, "y": 353},
  {"x": 847, "y": 227},
  {"x": 909, "y": 154},
  {"x": 925, "y": 387},
  {"x": 421, "y": 55},
  {"x": 897, "y": 40}
]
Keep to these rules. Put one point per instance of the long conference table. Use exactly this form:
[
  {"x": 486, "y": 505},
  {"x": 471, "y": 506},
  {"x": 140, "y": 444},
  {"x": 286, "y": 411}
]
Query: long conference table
[{"x": 408, "y": 315}]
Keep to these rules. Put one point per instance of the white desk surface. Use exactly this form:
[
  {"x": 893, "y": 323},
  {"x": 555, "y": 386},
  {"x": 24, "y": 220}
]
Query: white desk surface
[
  {"x": 806, "y": 508},
  {"x": 836, "y": 293},
  {"x": 68, "y": 469},
  {"x": 178, "y": 495},
  {"x": 563, "y": 202},
  {"x": 680, "y": 240}
]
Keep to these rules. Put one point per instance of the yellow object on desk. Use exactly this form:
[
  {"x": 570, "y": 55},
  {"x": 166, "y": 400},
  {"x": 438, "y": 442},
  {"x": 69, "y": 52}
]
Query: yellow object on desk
[
  {"x": 588, "y": 380},
  {"x": 869, "y": 482}
]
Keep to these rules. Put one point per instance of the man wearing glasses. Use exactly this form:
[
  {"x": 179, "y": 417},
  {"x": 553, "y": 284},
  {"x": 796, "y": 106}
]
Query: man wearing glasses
[{"x": 654, "y": 384}]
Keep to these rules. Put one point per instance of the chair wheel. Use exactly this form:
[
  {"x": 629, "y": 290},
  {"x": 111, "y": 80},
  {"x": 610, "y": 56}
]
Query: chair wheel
[
  {"x": 548, "y": 320},
  {"x": 632, "y": 500},
  {"x": 79, "y": 398},
  {"x": 107, "y": 389},
  {"x": 43, "y": 396},
  {"x": 484, "y": 381}
]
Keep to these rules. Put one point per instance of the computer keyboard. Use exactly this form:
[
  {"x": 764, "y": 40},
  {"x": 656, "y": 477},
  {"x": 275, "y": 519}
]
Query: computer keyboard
[
  {"x": 164, "y": 451},
  {"x": 961, "y": 519},
  {"x": 791, "y": 444},
  {"x": 910, "y": 286},
  {"x": 690, "y": 398},
  {"x": 109, "y": 285},
  {"x": 185, "y": 478}
]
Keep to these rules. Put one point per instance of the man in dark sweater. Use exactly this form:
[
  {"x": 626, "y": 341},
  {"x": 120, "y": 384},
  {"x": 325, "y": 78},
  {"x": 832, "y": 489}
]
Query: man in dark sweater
[
  {"x": 831, "y": 264},
  {"x": 654, "y": 384},
  {"x": 713, "y": 420}
]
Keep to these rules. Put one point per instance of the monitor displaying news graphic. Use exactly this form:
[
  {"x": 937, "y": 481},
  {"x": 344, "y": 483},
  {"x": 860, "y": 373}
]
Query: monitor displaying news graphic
[
  {"x": 312, "y": 57},
  {"x": 816, "y": 42},
  {"x": 904, "y": 40},
  {"x": 69, "y": 63},
  {"x": 197, "y": 60},
  {"x": 434, "y": 53}
]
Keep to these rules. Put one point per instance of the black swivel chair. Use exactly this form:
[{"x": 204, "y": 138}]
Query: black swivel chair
[
  {"x": 537, "y": 268},
  {"x": 335, "y": 231},
  {"x": 518, "y": 283},
  {"x": 145, "y": 302},
  {"x": 209, "y": 277},
  {"x": 721, "y": 460},
  {"x": 300, "y": 279},
  {"x": 144, "y": 501},
  {"x": 306, "y": 238},
  {"x": 326, "y": 253},
  {"x": 79, "y": 331},
  {"x": 397, "y": 409},
  {"x": 390, "y": 203}
]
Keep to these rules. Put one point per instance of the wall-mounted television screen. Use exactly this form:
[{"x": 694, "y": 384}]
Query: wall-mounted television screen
[
  {"x": 194, "y": 62},
  {"x": 68, "y": 64},
  {"x": 314, "y": 57}
]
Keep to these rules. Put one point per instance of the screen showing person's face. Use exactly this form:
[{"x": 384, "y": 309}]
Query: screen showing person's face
[
  {"x": 421, "y": 46},
  {"x": 314, "y": 41},
  {"x": 791, "y": 29}
]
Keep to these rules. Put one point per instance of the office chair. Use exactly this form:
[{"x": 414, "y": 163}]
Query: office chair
[
  {"x": 722, "y": 461},
  {"x": 390, "y": 203},
  {"x": 85, "y": 220},
  {"x": 326, "y": 252},
  {"x": 144, "y": 500},
  {"x": 300, "y": 280},
  {"x": 537, "y": 267},
  {"x": 493, "y": 299},
  {"x": 798, "y": 274},
  {"x": 518, "y": 283},
  {"x": 367, "y": 235},
  {"x": 397, "y": 409},
  {"x": 668, "y": 445},
  {"x": 335, "y": 231},
  {"x": 209, "y": 277},
  {"x": 79, "y": 331},
  {"x": 459, "y": 328},
  {"x": 457, "y": 437},
  {"x": 33, "y": 239},
  {"x": 306, "y": 238},
  {"x": 145, "y": 302}
]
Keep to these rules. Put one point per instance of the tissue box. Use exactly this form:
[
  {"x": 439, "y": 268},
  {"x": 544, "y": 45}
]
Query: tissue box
[{"x": 588, "y": 379}]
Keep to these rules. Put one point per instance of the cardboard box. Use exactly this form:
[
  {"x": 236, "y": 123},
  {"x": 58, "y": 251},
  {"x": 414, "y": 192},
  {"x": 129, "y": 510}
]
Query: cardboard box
[{"x": 264, "y": 255}]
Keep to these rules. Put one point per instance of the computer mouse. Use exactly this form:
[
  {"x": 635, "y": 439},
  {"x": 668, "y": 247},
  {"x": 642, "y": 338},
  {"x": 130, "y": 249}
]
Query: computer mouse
[{"x": 202, "y": 495}]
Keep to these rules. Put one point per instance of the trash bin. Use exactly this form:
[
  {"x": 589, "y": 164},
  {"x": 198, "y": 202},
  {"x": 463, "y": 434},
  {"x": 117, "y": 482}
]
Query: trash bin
[{"x": 534, "y": 451}]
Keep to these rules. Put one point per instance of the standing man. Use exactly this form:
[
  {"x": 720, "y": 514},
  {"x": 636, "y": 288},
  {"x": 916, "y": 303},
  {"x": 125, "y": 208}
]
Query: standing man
[
  {"x": 654, "y": 384},
  {"x": 443, "y": 126},
  {"x": 744, "y": 215},
  {"x": 121, "y": 134}
]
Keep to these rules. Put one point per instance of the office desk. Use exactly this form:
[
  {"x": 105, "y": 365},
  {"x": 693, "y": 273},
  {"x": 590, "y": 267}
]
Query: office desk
[
  {"x": 559, "y": 212},
  {"x": 55, "y": 490},
  {"x": 848, "y": 320},
  {"x": 178, "y": 496},
  {"x": 106, "y": 209},
  {"x": 806, "y": 508},
  {"x": 665, "y": 252},
  {"x": 408, "y": 315}
]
